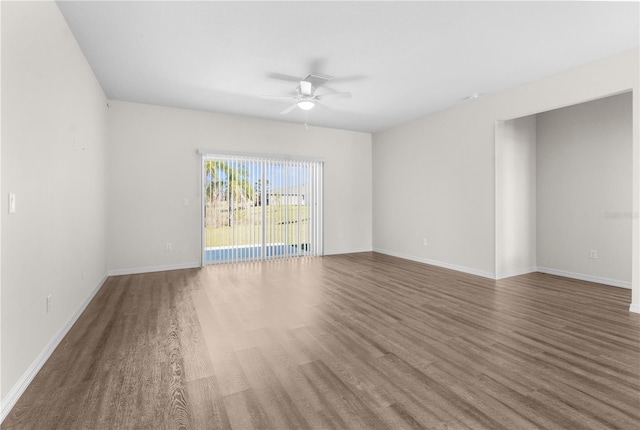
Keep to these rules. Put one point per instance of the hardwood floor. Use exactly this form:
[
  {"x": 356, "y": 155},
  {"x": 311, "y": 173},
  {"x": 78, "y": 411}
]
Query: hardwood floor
[{"x": 359, "y": 341}]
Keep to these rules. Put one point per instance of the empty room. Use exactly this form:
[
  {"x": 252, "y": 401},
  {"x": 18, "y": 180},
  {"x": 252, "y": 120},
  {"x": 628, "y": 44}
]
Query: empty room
[{"x": 319, "y": 215}]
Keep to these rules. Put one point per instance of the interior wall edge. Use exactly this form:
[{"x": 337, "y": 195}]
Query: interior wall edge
[
  {"x": 524, "y": 271},
  {"x": 635, "y": 222}
]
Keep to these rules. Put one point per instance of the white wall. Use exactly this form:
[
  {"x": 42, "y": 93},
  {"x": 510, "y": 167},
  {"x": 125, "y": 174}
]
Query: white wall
[
  {"x": 435, "y": 177},
  {"x": 154, "y": 166},
  {"x": 53, "y": 159},
  {"x": 584, "y": 184},
  {"x": 1, "y": 397},
  {"x": 516, "y": 196}
]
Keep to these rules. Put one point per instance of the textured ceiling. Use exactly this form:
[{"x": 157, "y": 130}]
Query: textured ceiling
[{"x": 400, "y": 60}]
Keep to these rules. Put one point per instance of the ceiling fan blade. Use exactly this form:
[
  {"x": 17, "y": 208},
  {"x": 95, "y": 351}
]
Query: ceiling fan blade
[
  {"x": 334, "y": 95},
  {"x": 289, "y": 109},
  {"x": 330, "y": 90},
  {"x": 283, "y": 77},
  {"x": 349, "y": 78},
  {"x": 278, "y": 97},
  {"x": 306, "y": 88}
]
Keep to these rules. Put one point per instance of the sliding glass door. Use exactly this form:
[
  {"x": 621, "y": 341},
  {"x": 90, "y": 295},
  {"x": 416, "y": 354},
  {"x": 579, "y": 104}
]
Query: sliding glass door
[{"x": 258, "y": 208}]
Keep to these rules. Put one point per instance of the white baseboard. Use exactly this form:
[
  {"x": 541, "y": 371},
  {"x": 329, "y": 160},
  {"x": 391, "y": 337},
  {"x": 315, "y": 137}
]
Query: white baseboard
[
  {"x": 138, "y": 270},
  {"x": 634, "y": 307},
  {"x": 437, "y": 263},
  {"x": 516, "y": 273},
  {"x": 18, "y": 389},
  {"x": 346, "y": 251},
  {"x": 588, "y": 278}
]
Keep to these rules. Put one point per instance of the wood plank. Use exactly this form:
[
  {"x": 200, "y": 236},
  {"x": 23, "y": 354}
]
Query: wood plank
[{"x": 348, "y": 341}]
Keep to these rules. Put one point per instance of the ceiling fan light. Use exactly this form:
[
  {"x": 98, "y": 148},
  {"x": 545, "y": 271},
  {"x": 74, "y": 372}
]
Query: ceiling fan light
[{"x": 306, "y": 105}]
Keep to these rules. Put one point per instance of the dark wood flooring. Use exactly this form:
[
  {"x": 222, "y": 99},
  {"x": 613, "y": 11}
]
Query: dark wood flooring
[{"x": 359, "y": 341}]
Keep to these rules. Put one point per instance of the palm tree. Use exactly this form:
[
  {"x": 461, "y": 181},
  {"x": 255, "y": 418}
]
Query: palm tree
[
  {"x": 240, "y": 190},
  {"x": 216, "y": 184},
  {"x": 228, "y": 182}
]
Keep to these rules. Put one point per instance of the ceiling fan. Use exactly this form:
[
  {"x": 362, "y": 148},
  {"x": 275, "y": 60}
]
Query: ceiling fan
[{"x": 306, "y": 97}]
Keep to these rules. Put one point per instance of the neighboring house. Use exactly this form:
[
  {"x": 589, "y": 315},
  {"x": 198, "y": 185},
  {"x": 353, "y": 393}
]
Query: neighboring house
[{"x": 296, "y": 195}]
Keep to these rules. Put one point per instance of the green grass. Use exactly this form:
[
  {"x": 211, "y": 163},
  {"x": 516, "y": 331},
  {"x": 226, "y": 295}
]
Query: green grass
[{"x": 245, "y": 233}]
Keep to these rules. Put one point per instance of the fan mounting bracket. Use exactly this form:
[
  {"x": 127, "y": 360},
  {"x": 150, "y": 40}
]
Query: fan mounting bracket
[{"x": 317, "y": 79}]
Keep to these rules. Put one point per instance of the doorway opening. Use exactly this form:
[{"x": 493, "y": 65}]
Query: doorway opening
[
  {"x": 260, "y": 208},
  {"x": 564, "y": 183}
]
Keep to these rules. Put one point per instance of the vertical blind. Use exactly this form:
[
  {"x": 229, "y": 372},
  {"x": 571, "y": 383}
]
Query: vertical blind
[{"x": 259, "y": 208}]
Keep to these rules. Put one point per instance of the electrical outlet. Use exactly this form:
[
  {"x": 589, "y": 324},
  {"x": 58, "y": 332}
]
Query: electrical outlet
[
  {"x": 169, "y": 247},
  {"x": 425, "y": 242},
  {"x": 593, "y": 253},
  {"x": 49, "y": 303}
]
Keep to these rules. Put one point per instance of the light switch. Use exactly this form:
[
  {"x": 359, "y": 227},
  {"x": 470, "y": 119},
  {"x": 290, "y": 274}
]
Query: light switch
[{"x": 12, "y": 203}]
